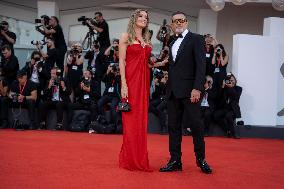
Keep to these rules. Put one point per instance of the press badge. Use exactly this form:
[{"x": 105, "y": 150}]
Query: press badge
[
  {"x": 74, "y": 67},
  {"x": 217, "y": 70},
  {"x": 111, "y": 89},
  {"x": 207, "y": 55},
  {"x": 86, "y": 97}
]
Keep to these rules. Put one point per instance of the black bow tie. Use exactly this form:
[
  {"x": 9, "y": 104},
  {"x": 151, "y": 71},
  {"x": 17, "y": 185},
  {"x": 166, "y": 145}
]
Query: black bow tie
[{"x": 178, "y": 36}]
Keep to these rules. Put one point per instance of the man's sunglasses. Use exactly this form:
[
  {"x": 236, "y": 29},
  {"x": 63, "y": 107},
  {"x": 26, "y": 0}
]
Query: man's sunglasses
[{"x": 181, "y": 21}]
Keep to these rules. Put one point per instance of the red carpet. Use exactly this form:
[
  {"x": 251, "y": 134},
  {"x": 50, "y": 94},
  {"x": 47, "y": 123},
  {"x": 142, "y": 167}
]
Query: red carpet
[{"x": 54, "y": 159}]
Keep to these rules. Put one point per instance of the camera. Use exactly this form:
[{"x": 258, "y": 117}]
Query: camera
[
  {"x": 86, "y": 81},
  {"x": 58, "y": 79},
  {"x": 114, "y": 67},
  {"x": 42, "y": 42},
  {"x": 15, "y": 97},
  {"x": 74, "y": 51},
  {"x": 45, "y": 19},
  {"x": 2, "y": 27},
  {"x": 115, "y": 48},
  {"x": 227, "y": 79},
  {"x": 84, "y": 20},
  {"x": 163, "y": 30}
]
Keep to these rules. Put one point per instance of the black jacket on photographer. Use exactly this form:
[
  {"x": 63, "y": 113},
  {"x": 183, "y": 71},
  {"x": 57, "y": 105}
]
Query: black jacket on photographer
[
  {"x": 230, "y": 100},
  {"x": 100, "y": 65},
  {"x": 43, "y": 72},
  {"x": 160, "y": 91},
  {"x": 112, "y": 83},
  {"x": 103, "y": 37},
  {"x": 10, "y": 68},
  {"x": 4, "y": 41},
  {"x": 85, "y": 97},
  {"x": 63, "y": 94}
]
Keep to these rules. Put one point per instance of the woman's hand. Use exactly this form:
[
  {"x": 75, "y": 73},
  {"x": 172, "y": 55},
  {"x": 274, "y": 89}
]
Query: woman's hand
[{"x": 124, "y": 91}]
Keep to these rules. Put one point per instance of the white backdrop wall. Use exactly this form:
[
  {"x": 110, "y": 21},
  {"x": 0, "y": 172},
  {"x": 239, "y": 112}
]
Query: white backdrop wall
[
  {"x": 275, "y": 27},
  {"x": 256, "y": 66}
]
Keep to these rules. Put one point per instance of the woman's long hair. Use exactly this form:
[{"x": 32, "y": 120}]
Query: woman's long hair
[{"x": 131, "y": 27}]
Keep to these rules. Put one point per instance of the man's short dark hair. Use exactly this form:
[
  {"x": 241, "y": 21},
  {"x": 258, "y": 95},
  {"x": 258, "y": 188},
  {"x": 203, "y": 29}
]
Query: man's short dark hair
[
  {"x": 35, "y": 53},
  {"x": 5, "y": 47},
  {"x": 178, "y": 12},
  {"x": 57, "y": 20},
  {"x": 116, "y": 40},
  {"x": 99, "y": 13}
]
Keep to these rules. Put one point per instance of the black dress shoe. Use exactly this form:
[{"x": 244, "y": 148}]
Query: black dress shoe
[
  {"x": 172, "y": 166},
  {"x": 205, "y": 168}
]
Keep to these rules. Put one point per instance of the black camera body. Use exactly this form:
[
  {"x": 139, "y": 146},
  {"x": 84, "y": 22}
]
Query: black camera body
[
  {"x": 115, "y": 48},
  {"x": 227, "y": 79},
  {"x": 86, "y": 81},
  {"x": 74, "y": 51},
  {"x": 45, "y": 20},
  {"x": 84, "y": 20},
  {"x": 2, "y": 27},
  {"x": 15, "y": 97}
]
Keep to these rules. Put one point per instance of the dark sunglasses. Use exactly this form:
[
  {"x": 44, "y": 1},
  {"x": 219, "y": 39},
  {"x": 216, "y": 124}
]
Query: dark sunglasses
[{"x": 181, "y": 21}]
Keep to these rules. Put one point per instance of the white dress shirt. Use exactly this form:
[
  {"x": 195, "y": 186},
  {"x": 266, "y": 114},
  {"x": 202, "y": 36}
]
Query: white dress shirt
[{"x": 177, "y": 43}]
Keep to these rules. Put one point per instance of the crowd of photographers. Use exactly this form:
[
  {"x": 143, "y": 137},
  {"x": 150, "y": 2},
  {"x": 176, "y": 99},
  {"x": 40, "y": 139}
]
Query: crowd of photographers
[{"x": 45, "y": 83}]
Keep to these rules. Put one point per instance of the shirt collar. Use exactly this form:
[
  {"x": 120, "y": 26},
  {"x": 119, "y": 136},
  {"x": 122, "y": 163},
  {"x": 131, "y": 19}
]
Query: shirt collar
[{"x": 184, "y": 33}]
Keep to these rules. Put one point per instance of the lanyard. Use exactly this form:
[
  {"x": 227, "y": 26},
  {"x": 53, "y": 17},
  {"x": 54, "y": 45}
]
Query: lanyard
[
  {"x": 22, "y": 89},
  {"x": 218, "y": 62}
]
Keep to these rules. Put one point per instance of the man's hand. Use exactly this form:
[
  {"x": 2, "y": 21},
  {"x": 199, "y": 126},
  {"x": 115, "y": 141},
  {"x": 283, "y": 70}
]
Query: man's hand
[
  {"x": 51, "y": 83},
  {"x": 62, "y": 84},
  {"x": 3, "y": 32},
  {"x": 21, "y": 98},
  {"x": 195, "y": 96}
]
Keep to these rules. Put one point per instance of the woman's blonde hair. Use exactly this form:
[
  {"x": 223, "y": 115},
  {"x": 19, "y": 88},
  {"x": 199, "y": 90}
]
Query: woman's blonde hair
[{"x": 131, "y": 27}]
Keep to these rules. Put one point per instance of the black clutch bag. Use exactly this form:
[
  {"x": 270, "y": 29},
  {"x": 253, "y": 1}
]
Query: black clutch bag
[{"x": 123, "y": 106}]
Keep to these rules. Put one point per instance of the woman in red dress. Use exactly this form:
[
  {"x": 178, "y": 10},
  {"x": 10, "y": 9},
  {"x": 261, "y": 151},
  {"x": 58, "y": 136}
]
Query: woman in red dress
[{"x": 134, "y": 53}]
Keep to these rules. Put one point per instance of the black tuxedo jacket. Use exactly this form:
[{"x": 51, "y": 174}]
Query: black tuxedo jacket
[{"x": 187, "y": 72}]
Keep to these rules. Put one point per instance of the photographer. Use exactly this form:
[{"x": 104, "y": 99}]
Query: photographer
[
  {"x": 57, "y": 96},
  {"x": 101, "y": 27},
  {"x": 88, "y": 96},
  {"x": 50, "y": 56},
  {"x": 163, "y": 34},
  {"x": 220, "y": 62},
  {"x": 3, "y": 103},
  {"x": 229, "y": 108},
  {"x": 7, "y": 37},
  {"x": 112, "y": 52},
  {"x": 37, "y": 72},
  {"x": 158, "y": 103},
  {"x": 23, "y": 93},
  {"x": 74, "y": 70},
  {"x": 9, "y": 65},
  {"x": 96, "y": 62},
  {"x": 210, "y": 44},
  {"x": 112, "y": 91},
  {"x": 162, "y": 62},
  {"x": 208, "y": 104},
  {"x": 55, "y": 31}
]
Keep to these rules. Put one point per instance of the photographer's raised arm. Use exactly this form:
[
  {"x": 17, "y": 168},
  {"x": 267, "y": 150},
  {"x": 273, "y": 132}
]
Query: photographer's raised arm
[
  {"x": 33, "y": 96},
  {"x": 8, "y": 38},
  {"x": 100, "y": 30}
]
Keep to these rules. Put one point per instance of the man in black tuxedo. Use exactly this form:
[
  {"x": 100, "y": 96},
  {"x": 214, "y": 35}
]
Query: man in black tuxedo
[{"x": 186, "y": 80}]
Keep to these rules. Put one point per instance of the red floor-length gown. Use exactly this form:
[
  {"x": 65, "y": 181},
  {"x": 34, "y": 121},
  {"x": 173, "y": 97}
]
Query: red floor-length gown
[{"x": 134, "y": 154}]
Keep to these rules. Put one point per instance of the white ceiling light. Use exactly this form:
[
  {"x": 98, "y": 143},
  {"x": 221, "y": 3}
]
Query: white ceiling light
[
  {"x": 216, "y": 5},
  {"x": 278, "y": 5},
  {"x": 238, "y": 2}
]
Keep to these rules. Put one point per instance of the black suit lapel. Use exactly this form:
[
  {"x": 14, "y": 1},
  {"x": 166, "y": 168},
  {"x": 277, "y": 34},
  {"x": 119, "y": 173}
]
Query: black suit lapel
[{"x": 184, "y": 41}]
